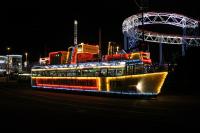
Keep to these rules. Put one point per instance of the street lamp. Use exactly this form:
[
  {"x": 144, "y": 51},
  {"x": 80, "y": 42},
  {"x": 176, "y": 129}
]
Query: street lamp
[
  {"x": 8, "y": 63},
  {"x": 26, "y": 54}
]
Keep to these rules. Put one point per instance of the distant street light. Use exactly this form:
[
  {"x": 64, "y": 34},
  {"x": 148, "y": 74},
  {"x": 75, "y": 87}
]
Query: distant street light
[
  {"x": 117, "y": 48},
  {"x": 8, "y": 48}
]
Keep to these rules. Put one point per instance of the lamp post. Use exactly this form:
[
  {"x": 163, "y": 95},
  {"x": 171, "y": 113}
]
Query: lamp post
[
  {"x": 8, "y": 49},
  {"x": 8, "y": 64},
  {"x": 26, "y": 54}
]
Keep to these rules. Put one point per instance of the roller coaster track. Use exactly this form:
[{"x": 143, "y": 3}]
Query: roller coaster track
[{"x": 130, "y": 28}]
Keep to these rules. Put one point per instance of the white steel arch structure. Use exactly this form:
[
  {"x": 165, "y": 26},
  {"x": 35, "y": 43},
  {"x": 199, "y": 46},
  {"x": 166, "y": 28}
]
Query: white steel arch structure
[{"x": 131, "y": 31}]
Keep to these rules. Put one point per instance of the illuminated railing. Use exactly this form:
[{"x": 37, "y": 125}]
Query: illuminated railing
[{"x": 111, "y": 64}]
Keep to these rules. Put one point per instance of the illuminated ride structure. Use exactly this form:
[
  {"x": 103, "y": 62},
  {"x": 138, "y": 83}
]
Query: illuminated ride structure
[
  {"x": 83, "y": 70},
  {"x": 132, "y": 33}
]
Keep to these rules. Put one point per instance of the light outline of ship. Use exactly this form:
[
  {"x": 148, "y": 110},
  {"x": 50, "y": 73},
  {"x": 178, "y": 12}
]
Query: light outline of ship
[{"x": 137, "y": 84}]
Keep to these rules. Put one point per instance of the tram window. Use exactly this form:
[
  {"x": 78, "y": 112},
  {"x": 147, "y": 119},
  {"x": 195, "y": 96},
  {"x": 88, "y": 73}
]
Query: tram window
[
  {"x": 63, "y": 73},
  {"x": 42, "y": 73},
  {"x": 111, "y": 72},
  {"x": 139, "y": 68},
  {"x": 131, "y": 69},
  {"x": 119, "y": 72},
  {"x": 71, "y": 73},
  {"x": 92, "y": 72},
  {"x": 88, "y": 72},
  {"x": 39, "y": 74},
  {"x": 84, "y": 73},
  {"x": 60, "y": 73},
  {"x": 52, "y": 73},
  {"x": 46, "y": 73},
  {"x": 78, "y": 73},
  {"x": 97, "y": 73},
  {"x": 104, "y": 72},
  {"x": 34, "y": 74}
]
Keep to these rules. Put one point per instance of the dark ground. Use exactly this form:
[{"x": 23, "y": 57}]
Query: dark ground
[{"x": 23, "y": 108}]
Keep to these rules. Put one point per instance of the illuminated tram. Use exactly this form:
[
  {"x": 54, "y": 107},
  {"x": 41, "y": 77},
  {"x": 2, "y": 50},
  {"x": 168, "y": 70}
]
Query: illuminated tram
[
  {"x": 129, "y": 74},
  {"x": 3, "y": 65},
  {"x": 10, "y": 64}
]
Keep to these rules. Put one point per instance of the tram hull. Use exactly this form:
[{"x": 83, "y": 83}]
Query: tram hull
[{"x": 141, "y": 84}]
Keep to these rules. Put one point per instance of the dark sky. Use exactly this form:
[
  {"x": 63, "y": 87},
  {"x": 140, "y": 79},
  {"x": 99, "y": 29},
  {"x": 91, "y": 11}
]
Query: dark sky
[{"x": 39, "y": 26}]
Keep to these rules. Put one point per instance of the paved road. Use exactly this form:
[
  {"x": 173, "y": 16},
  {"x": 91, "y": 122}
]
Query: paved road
[{"x": 24, "y": 108}]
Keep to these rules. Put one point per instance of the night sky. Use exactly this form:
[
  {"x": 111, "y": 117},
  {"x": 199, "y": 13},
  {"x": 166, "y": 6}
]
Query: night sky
[{"x": 39, "y": 28}]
